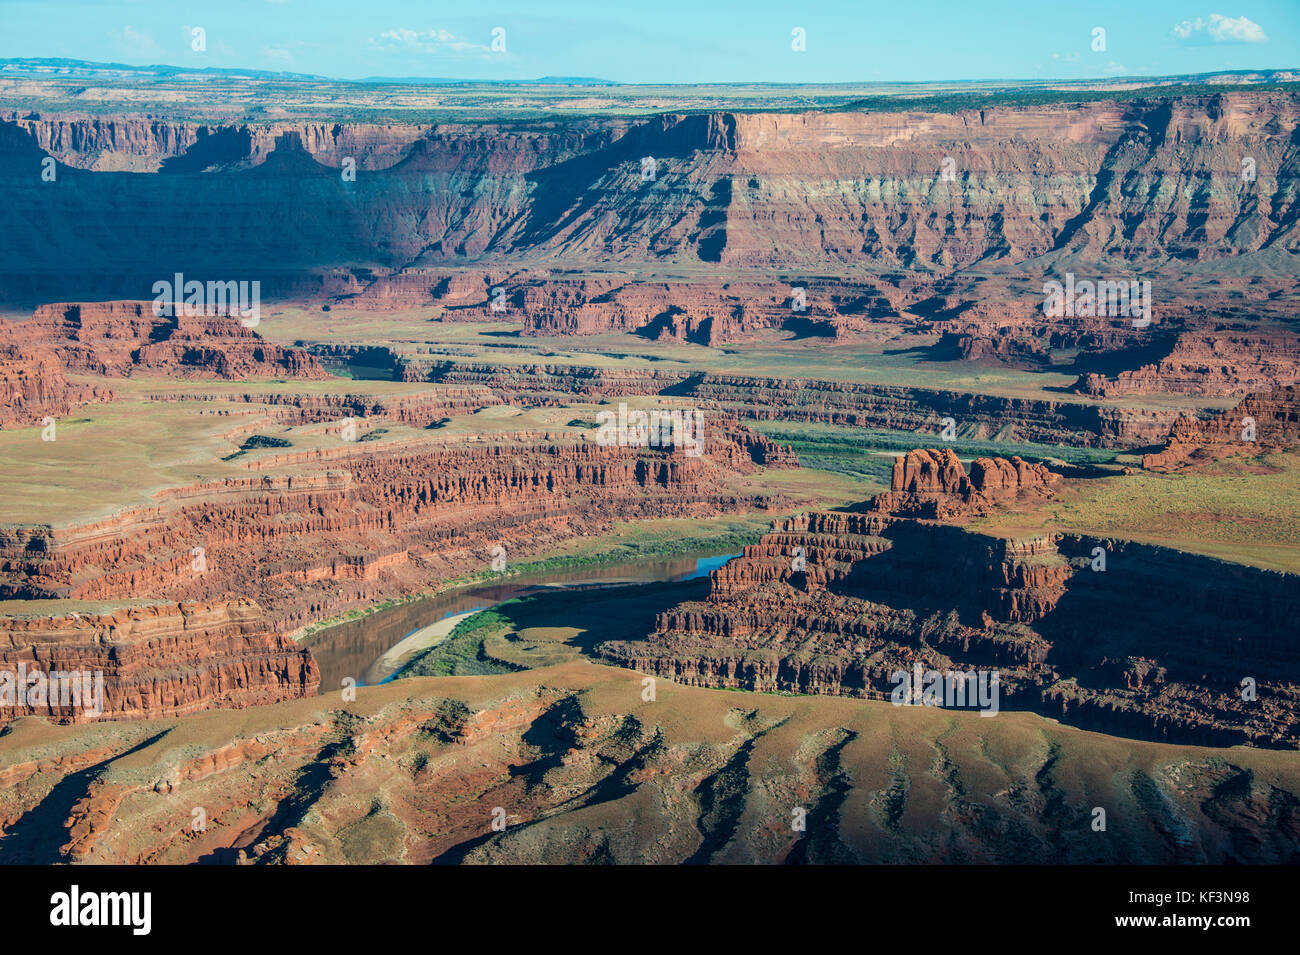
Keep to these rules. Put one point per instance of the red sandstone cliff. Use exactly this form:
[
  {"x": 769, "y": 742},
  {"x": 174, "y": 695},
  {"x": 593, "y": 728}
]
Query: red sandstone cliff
[
  {"x": 828, "y": 401},
  {"x": 934, "y": 484},
  {"x": 1154, "y": 644},
  {"x": 817, "y": 190},
  {"x": 1260, "y": 423},
  {"x": 33, "y": 386},
  {"x": 352, "y": 524},
  {"x": 115, "y": 338},
  {"x": 157, "y": 660}
]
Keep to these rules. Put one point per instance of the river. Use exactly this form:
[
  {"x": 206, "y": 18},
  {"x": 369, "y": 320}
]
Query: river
[{"x": 356, "y": 648}]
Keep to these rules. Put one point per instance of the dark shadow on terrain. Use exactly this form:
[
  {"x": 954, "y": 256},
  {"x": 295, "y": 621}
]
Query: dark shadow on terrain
[
  {"x": 563, "y": 193},
  {"x": 608, "y": 613},
  {"x": 821, "y": 842},
  {"x": 1152, "y": 350},
  {"x": 362, "y": 362},
  {"x": 802, "y": 327},
  {"x": 712, "y": 235},
  {"x": 39, "y": 834},
  {"x": 308, "y": 786},
  {"x": 279, "y": 222},
  {"x": 722, "y": 802},
  {"x": 684, "y": 388},
  {"x": 551, "y": 729},
  {"x": 661, "y": 325},
  {"x": 552, "y": 734},
  {"x": 1083, "y": 472},
  {"x": 221, "y": 147}
]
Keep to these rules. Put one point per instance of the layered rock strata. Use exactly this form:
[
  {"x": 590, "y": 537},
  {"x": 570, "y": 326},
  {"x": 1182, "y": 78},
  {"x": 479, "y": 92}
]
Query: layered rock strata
[
  {"x": 934, "y": 484},
  {"x": 33, "y": 387},
  {"x": 852, "y": 404},
  {"x": 770, "y": 191},
  {"x": 145, "y": 662},
  {"x": 114, "y": 339},
  {"x": 324, "y": 530},
  {"x": 1124, "y": 638},
  {"x": 1261, "y": 423}
]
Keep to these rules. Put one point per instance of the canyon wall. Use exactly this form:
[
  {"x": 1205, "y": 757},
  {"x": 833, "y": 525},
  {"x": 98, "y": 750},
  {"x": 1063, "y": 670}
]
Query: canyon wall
[
  {"x": 113, "y": 339},
  {"x": 812, "y": 190},
  {"x": 230, "y": 567},
  {"x": 130, "y": 144},
  {"x": 1075, "y": 422},
  {"x": 1124, "y": 638},
  {"x": 1261, "y": 423},
  {"x": 1229, "y": 360},
  {"x": 322, "y": 531},
  {"x": 33, "y": 387},
  {"x": 146, "y": 662},
  {"x": 817, "y": 223}
]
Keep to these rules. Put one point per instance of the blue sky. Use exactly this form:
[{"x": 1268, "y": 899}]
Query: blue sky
[{"x": 669, "y": 41}]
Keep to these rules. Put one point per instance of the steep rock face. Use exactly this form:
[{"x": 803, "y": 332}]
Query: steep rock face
[
  {"x": 1209, "y": 335},
  {"x": 1202, "y": 341},
  {"x": 1261, "y": 422},
  {"x": 934, "y": 484},
  {"x": 350, "y": 525},
  {"x": 1077, "y": 423},
  {"x": 33, "y": 386},
  {"x": 1176, "y": 162},
  {"x": 1157, "y": 179},
  {"x": 870, "y": 214},
  {"x": 115, "y": 338},
  {"x": 143, "y": 145},
  {"x": 155, "y": 661},
  {"x": 923, "y": 409},
  {"x": 929, "y": 472},
  {"x": 699, "y": 310},
  {"x": 1120, "y": 637},
  {"x": 994, "y": 477},
  {"x": 319, "y": 532},
  {"x": 418, "y": 410},
  {"x": 1224, "y": 334},
  {"x": 1231, "y": 362}
]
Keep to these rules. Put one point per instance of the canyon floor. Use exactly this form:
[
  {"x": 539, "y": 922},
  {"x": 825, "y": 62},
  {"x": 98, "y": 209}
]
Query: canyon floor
[{"x": 913, "y": 464}]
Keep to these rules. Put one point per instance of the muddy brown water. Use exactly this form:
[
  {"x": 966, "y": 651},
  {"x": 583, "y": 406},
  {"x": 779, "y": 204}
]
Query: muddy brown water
[{"x": 354, "y": 648}]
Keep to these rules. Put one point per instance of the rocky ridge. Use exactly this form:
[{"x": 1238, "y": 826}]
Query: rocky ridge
[
  {"x": 588, "y": 772},
  {"x": 1260, "y": 423},
  {"x": 1110, "y": 635}
]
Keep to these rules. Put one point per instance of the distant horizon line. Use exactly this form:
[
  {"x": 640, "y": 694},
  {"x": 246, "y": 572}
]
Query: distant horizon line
[{"x": 69, "y": 65}]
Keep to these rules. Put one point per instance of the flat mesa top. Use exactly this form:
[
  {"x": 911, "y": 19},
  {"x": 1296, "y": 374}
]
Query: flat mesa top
[{"x": 256, "y": 97}]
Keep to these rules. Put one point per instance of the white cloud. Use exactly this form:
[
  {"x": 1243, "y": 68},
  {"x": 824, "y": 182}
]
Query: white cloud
[
  {"x": 135, "y": 43},
  {"x": 1220, "y": 29},
  {"x": 427, "y": 41}
]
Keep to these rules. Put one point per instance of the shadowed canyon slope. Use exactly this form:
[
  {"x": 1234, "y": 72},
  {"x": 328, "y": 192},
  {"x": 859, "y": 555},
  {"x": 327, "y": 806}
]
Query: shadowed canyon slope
[
  {"x": 1109, "y": 635},
  {"x": 1153, "y": 180},
  {"x": 584, "y": 770}
]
